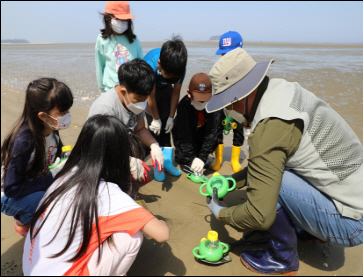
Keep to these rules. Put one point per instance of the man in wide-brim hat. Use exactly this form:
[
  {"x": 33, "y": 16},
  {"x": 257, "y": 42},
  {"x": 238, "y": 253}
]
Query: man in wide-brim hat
[{"x": 304, "y": 169}]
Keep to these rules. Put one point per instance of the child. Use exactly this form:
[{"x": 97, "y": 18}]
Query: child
[
  {"x": 169, "y": 65},
  {"x": 227, "y": 42},
  {"x": 117, "y": 44},
  {"x": 127, "y": 102},
  {"x": 195, "y": 131},
  {"x": 31, "y": 147},
  {"x": 86, "y": 223}
]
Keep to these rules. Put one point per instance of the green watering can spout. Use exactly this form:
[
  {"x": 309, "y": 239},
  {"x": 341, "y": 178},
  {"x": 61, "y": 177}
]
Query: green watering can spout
[{"x": 228, "y": 125}]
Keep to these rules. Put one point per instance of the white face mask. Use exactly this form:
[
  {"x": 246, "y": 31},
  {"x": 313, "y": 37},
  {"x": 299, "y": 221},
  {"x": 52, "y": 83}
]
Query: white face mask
[
  {"x": 63, "y": 121},
  {"x": 240, "y": 118},
  {"x": 119, "y": 26},
  {"x": 199, "y": 106},
  {"x": 135, "y": 108}
]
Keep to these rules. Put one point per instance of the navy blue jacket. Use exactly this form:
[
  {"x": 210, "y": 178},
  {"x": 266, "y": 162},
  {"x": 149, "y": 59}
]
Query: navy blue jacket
[{"x": 15, "y": 184}]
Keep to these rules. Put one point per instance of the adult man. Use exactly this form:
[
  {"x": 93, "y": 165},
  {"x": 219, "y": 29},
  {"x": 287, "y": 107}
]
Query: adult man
[{"x": 304, "y": 159}]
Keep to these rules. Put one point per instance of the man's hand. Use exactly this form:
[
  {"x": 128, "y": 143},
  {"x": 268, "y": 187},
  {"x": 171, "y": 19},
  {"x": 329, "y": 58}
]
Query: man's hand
[
  {"x": 214, "y": 204},
  {"x": 139, "y": 170},
  {"x": 169, "y": 125},
  {"x": 155, "y": 126},
  {"x": 157, "y": 156}
]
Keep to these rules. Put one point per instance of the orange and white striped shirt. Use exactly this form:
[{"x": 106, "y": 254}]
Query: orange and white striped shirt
[{"x": 117, "y": 212}]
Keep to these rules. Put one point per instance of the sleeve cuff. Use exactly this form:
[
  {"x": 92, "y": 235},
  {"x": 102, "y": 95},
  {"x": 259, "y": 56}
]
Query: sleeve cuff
[{"x": 49, "y": 179}]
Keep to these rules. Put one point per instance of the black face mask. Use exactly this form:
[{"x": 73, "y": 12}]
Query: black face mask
[{"x": 171, "y": 80}]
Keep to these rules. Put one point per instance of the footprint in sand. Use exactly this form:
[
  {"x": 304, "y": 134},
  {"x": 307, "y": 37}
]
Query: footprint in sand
[{"x": 8, "y": 268}]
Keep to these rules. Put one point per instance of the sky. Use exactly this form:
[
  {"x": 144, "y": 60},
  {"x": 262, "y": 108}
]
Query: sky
[{"x": 80, "y": 22}]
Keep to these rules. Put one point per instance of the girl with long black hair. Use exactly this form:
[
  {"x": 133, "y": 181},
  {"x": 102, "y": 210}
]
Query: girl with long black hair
[
  {"x": 86, "y": 223},
  {"x": 117, "y": 43},
  {"x": 31, "y": 146}
]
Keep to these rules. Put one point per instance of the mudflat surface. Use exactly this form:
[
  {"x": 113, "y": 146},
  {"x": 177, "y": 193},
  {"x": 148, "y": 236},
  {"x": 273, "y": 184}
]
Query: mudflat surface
[{"x": 178, "y": 202}]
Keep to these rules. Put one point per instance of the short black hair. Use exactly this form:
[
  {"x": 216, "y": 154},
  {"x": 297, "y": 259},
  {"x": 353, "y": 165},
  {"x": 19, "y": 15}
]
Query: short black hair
[
  {"x": 173, "y": 57},
  {"x": 137, "y": 76}
]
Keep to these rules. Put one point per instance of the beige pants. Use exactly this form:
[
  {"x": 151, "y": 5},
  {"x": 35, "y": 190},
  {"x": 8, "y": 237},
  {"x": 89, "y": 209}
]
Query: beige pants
[{"x": 116, "y": 261}]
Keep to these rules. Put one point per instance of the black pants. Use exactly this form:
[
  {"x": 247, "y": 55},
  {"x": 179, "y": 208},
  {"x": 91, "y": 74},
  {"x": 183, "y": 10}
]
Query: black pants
[
  {"x": 182, "y": 157},
  {"x": 163, "y": 139},
  {"x": 238, "y": 137},
  {"x": 163, "y": 101}
]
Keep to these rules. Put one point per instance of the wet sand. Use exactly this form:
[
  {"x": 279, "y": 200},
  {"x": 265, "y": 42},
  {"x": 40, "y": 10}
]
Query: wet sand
[{"x": 178, "y": 202}]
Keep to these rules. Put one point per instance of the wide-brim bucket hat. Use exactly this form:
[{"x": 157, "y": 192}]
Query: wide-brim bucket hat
[{"x": 234, "y": 76}]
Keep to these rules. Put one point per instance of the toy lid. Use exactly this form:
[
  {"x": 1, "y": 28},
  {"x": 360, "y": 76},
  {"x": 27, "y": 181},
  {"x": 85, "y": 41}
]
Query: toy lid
[
  {"x": 67, "y": 148},
  {"x": 216, "y": 173},
  {"x": 212, "y": 236}
]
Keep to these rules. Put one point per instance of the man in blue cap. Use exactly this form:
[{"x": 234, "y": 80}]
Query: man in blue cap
[{"x": 228, "y": 42}]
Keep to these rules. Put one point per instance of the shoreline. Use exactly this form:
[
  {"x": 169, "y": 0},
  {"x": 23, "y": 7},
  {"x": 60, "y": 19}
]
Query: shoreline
[
  {"x": 246, "y": 43},
  {"x": 35, "y": 43}
]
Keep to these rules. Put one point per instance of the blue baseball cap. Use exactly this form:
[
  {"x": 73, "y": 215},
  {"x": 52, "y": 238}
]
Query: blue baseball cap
[{"x": 229, "y": 41}]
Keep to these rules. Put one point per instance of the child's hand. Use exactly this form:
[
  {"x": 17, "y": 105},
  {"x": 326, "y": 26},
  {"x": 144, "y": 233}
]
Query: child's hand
[
  {"x": 139, "y": 170},
  {"x": 155, "y": 126},
  {"x": 197, "y": 166},
  {"x": 157, "y": 156},
  {"x": 59, "y": 167},
  {"x": 169, "y": 125},
  {"x": 56, "y": 162}
]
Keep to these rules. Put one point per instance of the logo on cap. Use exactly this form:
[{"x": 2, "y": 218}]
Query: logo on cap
[
  {"x": 227, "y": 41},
  {"x": 201, "y": 87}
]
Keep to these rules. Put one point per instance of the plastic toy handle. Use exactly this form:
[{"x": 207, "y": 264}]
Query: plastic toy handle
[
  {"x": 224, "y": 131},
  {"x": 201, "y": 190},
  {"x": 234, "y": 184},
  {"x": 189, "y": 175},
  {"x": 52, "y": 166},
  {"x": 224, "y": 122},
  {"x": 234, "y": 125},
  {"x": 197, "y": 255},
  {"x": 226, "y": 246},
  {"x": 55, "y": 165}
]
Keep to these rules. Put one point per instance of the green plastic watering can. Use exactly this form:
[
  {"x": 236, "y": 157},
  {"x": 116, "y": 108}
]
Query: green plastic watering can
[
  {"x": 195, "y": 179},
  {"x": 211, "y": 249},
  {"x": 228, "y": 125},
  {"x": 221, "y": 183}
]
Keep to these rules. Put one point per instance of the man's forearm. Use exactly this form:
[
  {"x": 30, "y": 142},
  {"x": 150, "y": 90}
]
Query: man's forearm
[{"x": 241, "y": 178}]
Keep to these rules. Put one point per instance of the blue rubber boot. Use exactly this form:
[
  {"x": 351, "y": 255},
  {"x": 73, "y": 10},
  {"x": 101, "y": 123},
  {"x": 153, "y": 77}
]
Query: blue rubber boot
[
  {"x": 168, "y": 162},
  {"x": 159, "y": 176},
  {"x": 281, "y": 257}
]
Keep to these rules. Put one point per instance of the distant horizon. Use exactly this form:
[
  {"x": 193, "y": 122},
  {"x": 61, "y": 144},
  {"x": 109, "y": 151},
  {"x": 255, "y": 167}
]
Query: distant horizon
[
  {"x": 286, "y": 42},
  {"x": 320, "y": 22}
]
